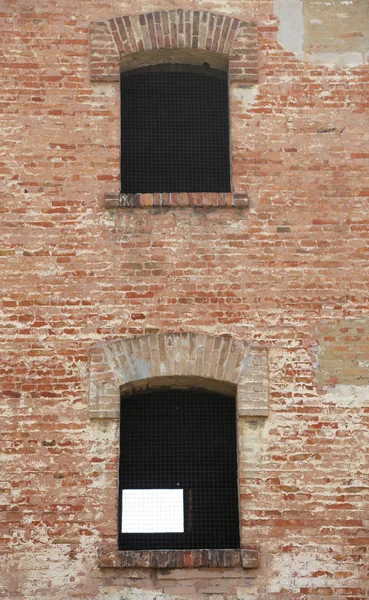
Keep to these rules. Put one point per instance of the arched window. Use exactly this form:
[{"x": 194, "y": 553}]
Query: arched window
[
  {"x": 178, "y": 483},
  {"x": 179, "y": 400},
  {"x": 175, "y": 136},
  {"x": 175, "y": 129}
]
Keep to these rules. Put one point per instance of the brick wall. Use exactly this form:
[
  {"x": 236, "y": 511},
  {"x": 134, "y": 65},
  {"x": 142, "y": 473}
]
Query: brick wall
[{"x": 286, "y": 272}]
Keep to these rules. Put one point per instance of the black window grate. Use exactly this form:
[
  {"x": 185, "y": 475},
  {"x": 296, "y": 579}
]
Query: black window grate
[
  {"x": 182, "y": 440},
  {"x": 175, "y": 132}
]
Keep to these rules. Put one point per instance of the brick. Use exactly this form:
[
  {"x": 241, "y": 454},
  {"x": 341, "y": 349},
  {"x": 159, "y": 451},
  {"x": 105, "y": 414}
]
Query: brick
[
  {"x": 126, "y": 34},
  {"x": 110, "y": 558},
  {"x": 121, "y": 361},
  {"x": 261, "y": 292}
]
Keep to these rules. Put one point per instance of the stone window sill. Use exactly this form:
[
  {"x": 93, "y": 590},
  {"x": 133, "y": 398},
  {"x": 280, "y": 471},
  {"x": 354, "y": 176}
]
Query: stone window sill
[
  {"x": 178, "y": 200},
  {"x": 111, "y": 558}
]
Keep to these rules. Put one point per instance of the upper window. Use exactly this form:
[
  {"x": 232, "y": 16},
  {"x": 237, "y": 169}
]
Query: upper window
[
  {"x": 175, "y": 130},
  {"x": 178, "y": 483}
]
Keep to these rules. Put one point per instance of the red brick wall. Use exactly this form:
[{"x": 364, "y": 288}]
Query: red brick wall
[{"x": 289, "y": 273}]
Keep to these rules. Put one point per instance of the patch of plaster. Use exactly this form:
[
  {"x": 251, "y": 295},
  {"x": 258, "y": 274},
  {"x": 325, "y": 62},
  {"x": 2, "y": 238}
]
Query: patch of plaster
[
  {"x": 331, "y": 33},
  {"x": 348, "y": 59},
  {"x": 343, "y": 353},
  {"x": 142, "y": 368},
  {"x": 110, "y": 89},
  {"x": 298, "y": 571},
  {"x": 252, "y": 435},
  {"x": 246, "y": 94},
  {"x": 291, "y": 25},
  {"x": 50, "y": 571},
  {"x": 348, "y": 396}
]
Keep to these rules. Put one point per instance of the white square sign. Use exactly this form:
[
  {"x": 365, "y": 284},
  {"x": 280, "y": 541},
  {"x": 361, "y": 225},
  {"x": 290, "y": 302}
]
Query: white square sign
[{"x": 152, "y": 511}]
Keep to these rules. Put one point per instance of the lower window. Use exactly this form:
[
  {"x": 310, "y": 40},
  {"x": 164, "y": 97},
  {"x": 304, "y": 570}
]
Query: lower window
[{"x": 178, "y": 482}]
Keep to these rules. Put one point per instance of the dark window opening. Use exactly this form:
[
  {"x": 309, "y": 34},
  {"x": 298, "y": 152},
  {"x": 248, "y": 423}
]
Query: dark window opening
[
  {"x": 175, "y": 130},
  {"x": 185, "y": 441}
]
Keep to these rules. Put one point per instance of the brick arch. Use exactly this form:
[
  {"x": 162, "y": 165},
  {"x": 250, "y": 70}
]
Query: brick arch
[
  {"x": 178, "y": 355},
  {"x": 113, "y": 40}
]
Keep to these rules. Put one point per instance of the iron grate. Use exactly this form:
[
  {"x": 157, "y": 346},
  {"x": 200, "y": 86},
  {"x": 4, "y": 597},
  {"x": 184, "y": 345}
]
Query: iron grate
[
  {"x": 175, "y": 132},
  {"x": 184, "y": 440}
]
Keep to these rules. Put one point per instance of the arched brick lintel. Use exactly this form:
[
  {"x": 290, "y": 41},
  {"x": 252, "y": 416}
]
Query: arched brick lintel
[
  {"x": 112, "y": 40},
  {"x": 183, "y": 355}
]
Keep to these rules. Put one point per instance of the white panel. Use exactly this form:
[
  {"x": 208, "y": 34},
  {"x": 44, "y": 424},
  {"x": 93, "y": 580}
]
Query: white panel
[{"x": 152, "y": 511}]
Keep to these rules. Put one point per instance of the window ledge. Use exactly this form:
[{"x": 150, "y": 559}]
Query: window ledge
[
  {"x": 111, "y": 558},
  {"x": 176, "y": 199}
]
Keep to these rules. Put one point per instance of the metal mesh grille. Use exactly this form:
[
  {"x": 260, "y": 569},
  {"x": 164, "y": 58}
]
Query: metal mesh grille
[
  {"x": 182, "y": 440},
  {"x": 175, "y": 133}
]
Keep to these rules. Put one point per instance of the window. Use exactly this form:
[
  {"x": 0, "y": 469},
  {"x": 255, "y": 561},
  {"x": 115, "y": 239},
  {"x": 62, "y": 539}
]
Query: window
[
  {"x": 178, "y": 471},
  {"x": 175, "y": 130}
]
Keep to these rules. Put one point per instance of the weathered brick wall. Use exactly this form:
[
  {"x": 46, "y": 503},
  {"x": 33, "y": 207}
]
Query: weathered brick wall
[{"x": 287, "y": 273}]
